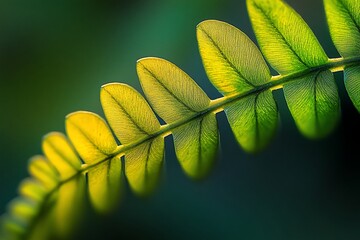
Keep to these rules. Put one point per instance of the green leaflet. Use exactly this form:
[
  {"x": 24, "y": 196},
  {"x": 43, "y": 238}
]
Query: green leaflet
[
  {"x": 171, "y": 92},
  {"x": 143, "y": 164},
  {"x": 174, "y": 96},
  {"x": 196, "y": 144},
  {"x": 343, "y": 17},
  {"x": 284, "y": 38},
  {"x": 22, "y": 210},
  {"x": 352, "y": 84},
  {"x": 105, "y": 185},
  {"x": 253, "y": 120},
  {"x": 232, "y": 61},
  {"x": 121, "y": 104},
  {"x": 314, "y": 103}
]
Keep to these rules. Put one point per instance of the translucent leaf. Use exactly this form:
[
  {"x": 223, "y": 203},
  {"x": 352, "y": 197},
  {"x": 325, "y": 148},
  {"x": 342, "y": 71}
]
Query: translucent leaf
[
  {"x": 284, "y": 38},
  {"x": 171, "y": 92},
  {"x": 68, "y": 208},
  {"x": 343, "y": 17},
  {"x": 143, "y": 166},
  {"x": 352, "y": 84},
  {"x": 41, "y": 169},
  {"x": 32, "y": 189},
  {"x": 253, "y": 120},
  {"x": 23, "y": 209},
  {"x": 127, "y": 112},
  {"x": 11, "y": 228},
  {"x": 105, "y": 185},
  {"x": 61, "y": 154},
  {"x": 314, "y": 103},
  {"x": 196, "y": 144},
  {"x": 232, "y": 61},
  {"x": 91, "y": 136}
]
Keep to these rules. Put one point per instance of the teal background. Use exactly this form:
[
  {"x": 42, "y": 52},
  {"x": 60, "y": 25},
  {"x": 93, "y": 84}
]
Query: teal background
[{"x": 55, "y": 55}]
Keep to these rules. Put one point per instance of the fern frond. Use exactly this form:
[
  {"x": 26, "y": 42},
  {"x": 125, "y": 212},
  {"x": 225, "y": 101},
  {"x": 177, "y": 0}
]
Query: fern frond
[{"x": 236, "y": 68}]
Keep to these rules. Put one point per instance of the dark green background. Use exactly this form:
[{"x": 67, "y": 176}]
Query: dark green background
[{"x": 55, "y": 55}]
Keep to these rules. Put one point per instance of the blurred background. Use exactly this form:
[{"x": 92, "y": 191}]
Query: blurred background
[{"x": 55, "y": 55}]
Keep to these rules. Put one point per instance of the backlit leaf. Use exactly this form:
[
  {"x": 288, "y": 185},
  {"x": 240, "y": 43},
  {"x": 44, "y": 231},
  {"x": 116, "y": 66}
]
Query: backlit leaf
[
  {"x": 143, "y": 164},
  {"x": 253, "y": 120},
  {"x": 284, "y": 37},
  {"x": 232, "y": 61},
  {"x": 127, "y": 112},
  {"x": 352, "y": 84},
  {"x": 343, "y": 17},
  {"x": 42, "y": 170},
  {"x": 91, "y": 136},
  {"x": 105, "y": 185},
  {"x": 196, "y": 145},
  {"x": 314, "y": 103},
  {"x": 69, "y": 206},
  {"x": 171, "y": 92},
  {"x": 32, "y": 189},
  {"x": 23, "y": 209},
  {"x": 61, "y": 154}
]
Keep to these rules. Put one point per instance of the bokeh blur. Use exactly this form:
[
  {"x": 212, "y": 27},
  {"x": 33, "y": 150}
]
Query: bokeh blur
[{"x": 55, "y": 55}]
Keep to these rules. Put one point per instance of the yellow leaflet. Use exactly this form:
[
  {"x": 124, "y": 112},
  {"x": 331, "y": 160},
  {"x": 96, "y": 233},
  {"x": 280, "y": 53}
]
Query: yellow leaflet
[
  {"x": 23, "y": 209},
  {"x": 196, "y": 144},
  {"x": 42, "y": 170},
  {"x": 90, "y": 136},
  {"x": 143, "y": 165},
  {"x": 68, "y": 208},
  {"x": 32, "y": 189},
  {"x": 232, "y": 61},
  {"x": 171, "y": 92},
  {"x": 105, "y": 185},
  {"x": 61, "y": 154},
  {"x": 127, "y": 112}
]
